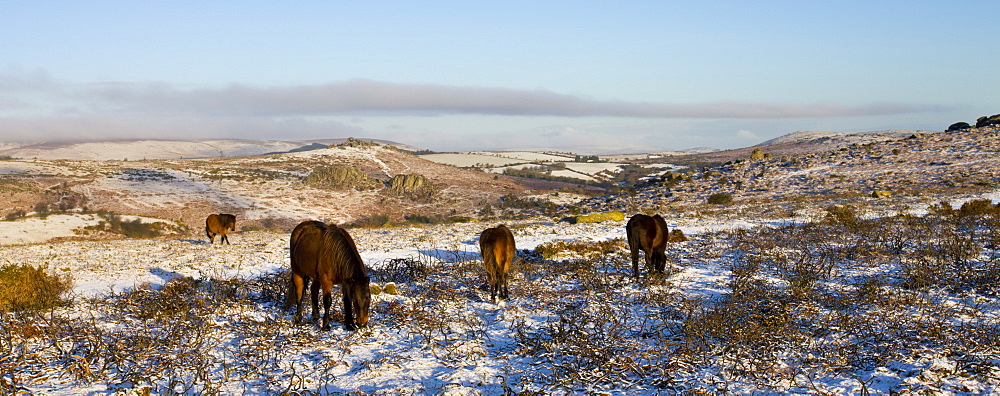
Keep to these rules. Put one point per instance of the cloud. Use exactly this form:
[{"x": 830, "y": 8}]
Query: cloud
[
  {"x": 745, "y": 134},
  {"x": 366, "y": 96},
  {"x": 35, "y": 106}
]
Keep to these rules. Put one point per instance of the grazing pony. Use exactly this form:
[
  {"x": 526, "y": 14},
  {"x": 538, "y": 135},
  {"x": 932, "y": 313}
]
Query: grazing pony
[
  {"x": 649, "y": 234},
  {"x": 497, "y": 247},
  {"x": 219, "y": 224},
  {"x": 326, "y": 255}
]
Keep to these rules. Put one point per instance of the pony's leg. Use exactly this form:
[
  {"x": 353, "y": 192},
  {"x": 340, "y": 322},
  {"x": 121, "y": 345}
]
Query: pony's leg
[
  {"x": 327, "y": 302},
  {"x": 635, "y": 263},
  {"x": 315, "y": 300},
  {"x": 298, "y": 287},
  {"x": 506, "y": 292},
  {"x": 348, "y": 307},
  {"x": 225, "y": 238}
]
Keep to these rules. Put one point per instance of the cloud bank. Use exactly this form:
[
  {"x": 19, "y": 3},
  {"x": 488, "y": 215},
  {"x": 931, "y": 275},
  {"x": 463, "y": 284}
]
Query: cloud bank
[
  {"x": 365, "y": 96},
  {"x": 35, "y": 107}
]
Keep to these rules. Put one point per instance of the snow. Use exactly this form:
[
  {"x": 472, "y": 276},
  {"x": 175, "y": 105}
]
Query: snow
[{"x": 382, "y": 359}]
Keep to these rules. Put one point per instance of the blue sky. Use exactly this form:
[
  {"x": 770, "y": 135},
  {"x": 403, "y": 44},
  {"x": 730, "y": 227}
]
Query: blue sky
[{"x": 589, "y": 77}]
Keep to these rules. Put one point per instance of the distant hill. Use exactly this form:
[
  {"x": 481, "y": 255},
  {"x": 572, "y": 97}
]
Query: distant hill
[
  {"x": 169, "y": 149},
  {"x": 801, "y": 142},
  {"x": 844, "y": 138}
]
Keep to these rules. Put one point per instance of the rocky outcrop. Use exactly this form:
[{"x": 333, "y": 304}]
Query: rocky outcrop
[
  {"x": 413, "y": 185},
  {"x": 341, "y": 178}
]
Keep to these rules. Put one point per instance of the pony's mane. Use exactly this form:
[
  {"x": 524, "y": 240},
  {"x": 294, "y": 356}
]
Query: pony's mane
[{"x": 340, "y": 246}]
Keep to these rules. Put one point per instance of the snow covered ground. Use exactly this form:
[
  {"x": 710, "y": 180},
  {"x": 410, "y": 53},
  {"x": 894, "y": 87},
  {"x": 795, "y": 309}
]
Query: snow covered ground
[{"x": 385, "y": 360}]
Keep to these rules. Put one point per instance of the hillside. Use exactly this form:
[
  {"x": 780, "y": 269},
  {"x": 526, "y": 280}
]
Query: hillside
[
  {"x": 917, "y": 170},
  {"x": 167, "y": 149},
  {"x": 263, "y": 191},
  {"x": 802, "y": 142}
]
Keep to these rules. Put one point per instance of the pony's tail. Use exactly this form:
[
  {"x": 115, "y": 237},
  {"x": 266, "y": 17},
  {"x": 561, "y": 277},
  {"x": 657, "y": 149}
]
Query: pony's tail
[
  {"x": 490, "y": 262},
  {"x": 289, "y": 293}
]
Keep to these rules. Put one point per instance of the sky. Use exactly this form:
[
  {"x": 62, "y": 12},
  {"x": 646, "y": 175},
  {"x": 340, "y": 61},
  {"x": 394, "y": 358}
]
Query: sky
[{"x": 591, "y": 77}]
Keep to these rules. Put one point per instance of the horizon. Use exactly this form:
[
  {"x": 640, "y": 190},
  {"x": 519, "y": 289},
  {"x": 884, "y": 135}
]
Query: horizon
[{"x": 641, "y": 77}]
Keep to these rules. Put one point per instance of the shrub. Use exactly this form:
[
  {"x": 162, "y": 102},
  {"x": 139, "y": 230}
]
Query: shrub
[
  {"x": 134, "y": 228},
  {"x": 615, "y": 215},
  {"x": 15, "y": 214},
  {"x": 720, "y": 199},
  {"x": 580, "y": 248},
  {"x": 841, "y": 214},
  {"x": 373, "y": 221},
  {"x": 977, "y": 207},
  {"x": 42, "y": 209},
  {"x": 24, "y": 287}
]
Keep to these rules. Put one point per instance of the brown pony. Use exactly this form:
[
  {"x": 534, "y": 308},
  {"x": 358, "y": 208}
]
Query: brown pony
[
  {"x": 497, "y": 247},
  {"x": 326, "y": 255},
  {"x": 649, "y": 234},
  {"x": 219, "y": 224}
]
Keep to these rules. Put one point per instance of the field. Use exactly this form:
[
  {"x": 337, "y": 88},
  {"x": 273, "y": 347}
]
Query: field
[{"x": 803, "y": 283}]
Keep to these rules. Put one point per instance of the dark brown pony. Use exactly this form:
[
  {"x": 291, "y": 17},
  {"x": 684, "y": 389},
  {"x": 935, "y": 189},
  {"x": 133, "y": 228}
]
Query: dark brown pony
[
  {"x": 326, "y": 255},
  {"x": 497, "y": 247},
  {"x": 219, "y": 224},
  {"x": 649, "y": 234}
]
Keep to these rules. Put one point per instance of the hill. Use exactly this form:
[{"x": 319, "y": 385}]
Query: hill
[
  {"x": 914, "y": 169},
  {"x": 270, "y": 190},
  {"x": 168, "y": 149},
  {"x": 802, "y": 142}
]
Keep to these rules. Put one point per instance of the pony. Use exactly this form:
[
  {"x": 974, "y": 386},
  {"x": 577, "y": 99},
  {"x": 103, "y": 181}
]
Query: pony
[
  {"x": 326, "y": 255},
  {"x": 219, "y": 224},
  {"x": 649, "y": 234},
  {"x": 497, "y": 248}
]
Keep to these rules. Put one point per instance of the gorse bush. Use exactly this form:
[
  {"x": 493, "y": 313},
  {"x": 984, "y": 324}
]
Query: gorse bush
[
  {"x": 720, "y": 199},
  {"x": 26, "y": 287},
  {"x": 978, "y": 207},
  {"x": 579, "y": 248},
  {"x": 134, "y": 228}
]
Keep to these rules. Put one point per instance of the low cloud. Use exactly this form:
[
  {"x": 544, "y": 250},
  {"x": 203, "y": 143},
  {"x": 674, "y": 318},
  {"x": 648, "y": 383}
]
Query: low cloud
[
  {"x": 745, "y": 134},
  {"x": 35, "y": 106},
  {"x": 373, "y": 97}
]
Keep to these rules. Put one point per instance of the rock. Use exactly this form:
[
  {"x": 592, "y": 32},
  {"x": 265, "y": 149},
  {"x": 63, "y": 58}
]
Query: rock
[
  {"x": 881, "y": 194},
  {"x": 341, "y": 177},
  {"x": 988, "y": 120},
  {"x": 958, "y": 126}
]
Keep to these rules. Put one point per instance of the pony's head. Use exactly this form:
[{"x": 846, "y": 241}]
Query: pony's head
[
  {"x": 360, "y": 294},
  {"x": 658, "y": 260}
]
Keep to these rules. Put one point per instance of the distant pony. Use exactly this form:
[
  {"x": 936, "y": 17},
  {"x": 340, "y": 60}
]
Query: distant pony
[
  {"x": 219, "y": 224},
  {"x": 649, "y": 234},
  {"x": 326, "y": 255},
  {"x": 497, "y": 247}
]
